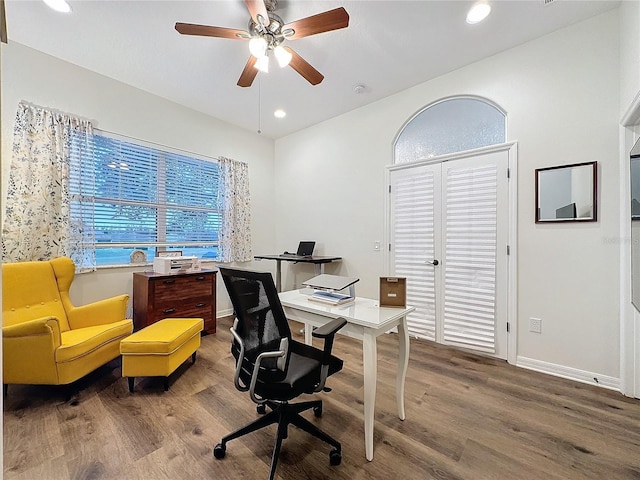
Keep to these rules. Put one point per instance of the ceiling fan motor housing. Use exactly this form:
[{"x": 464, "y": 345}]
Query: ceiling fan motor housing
[{"x": 272, "y": 33}]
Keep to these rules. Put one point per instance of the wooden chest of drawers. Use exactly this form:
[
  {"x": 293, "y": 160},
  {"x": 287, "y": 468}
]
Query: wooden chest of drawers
[{"x": 157, "y": 296}]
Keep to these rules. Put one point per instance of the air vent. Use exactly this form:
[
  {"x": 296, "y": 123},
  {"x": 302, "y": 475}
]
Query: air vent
[{"x": 548, "y": 2}]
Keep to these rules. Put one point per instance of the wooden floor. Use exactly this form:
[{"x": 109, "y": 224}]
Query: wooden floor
[{"x": 468, "y": 417}]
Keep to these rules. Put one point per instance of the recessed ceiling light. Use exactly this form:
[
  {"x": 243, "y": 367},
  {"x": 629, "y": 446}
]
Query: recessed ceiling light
[
  {"x": 58, "y": 5},
  {"x": 279, "y": 113},
  {"x": 478, "y": 12}
]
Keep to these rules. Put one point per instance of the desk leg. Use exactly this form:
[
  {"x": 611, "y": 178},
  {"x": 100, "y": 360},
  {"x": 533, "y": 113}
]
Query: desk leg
[
  {"x": 403, "y": 362},
  {"x": 278, "y": 275},
  {"x": 369, "y": 360},
  {"x": 308, "y": 330}
]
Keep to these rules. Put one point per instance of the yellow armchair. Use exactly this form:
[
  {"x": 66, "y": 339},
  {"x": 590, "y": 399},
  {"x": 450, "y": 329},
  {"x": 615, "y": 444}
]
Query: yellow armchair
[{"x": 45, "y": 338}]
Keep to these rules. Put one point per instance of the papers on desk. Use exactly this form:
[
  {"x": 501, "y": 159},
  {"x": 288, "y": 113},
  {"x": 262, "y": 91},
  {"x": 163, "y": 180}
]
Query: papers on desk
[{"x": 330, "y": 298}]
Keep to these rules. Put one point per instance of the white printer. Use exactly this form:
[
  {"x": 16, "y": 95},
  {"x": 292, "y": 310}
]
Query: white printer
[{"x": 175, "y": 264}]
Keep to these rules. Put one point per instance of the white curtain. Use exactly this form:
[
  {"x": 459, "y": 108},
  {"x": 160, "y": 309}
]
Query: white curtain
[
  {"x": 39, "y": 217},
  {"x": 234, "y": 202}
]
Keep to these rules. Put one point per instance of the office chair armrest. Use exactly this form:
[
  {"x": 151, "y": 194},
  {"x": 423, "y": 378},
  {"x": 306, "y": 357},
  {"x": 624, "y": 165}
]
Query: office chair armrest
[
  {"x": 256, "y": 370},
  {"x": 256, "y": 367},
  {"x": 327, "y": 332},
  {"x": 329, "y": 329},
  {"x": 236, "y": 378}
]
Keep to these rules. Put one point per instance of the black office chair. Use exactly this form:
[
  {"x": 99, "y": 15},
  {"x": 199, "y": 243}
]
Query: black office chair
[{"x": 272, "y": 366}]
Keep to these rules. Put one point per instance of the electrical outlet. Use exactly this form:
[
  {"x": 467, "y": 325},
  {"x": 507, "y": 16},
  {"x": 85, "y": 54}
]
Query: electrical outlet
[{"x": 535, "y": 325}]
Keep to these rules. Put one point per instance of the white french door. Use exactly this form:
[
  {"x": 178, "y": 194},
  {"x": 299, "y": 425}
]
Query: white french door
[
  {"x": 415, "y": 219},
  {"x": 448, "y": 235}
]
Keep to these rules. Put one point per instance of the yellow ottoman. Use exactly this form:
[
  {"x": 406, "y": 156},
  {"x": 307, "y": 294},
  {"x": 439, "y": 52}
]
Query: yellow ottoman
[{"x": 160, "y": 348}]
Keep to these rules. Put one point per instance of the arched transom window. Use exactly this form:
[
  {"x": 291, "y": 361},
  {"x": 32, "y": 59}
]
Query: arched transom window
[{"x": 449, "y": 126}]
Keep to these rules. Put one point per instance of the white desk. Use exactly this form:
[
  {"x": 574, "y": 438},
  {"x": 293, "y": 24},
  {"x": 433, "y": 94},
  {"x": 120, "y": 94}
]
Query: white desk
[
  {"x": 365, "y": 321},
  {"x": 318, "y": 262}
]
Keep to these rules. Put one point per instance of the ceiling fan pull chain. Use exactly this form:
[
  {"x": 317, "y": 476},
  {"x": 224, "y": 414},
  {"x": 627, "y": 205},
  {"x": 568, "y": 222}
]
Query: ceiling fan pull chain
[{"x": 259, "y": 106}]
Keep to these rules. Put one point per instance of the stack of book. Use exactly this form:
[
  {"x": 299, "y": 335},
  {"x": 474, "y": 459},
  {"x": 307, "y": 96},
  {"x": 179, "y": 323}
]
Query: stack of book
[{"x": 330, "y": 298}]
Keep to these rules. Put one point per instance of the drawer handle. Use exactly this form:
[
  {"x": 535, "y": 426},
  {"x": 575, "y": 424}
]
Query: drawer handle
[
  {"x": 169, "y": 282},
  {"x": 169, "y": 310},
  {"x": 200, "y": 278},
  {"x": 200, "y": 305}
]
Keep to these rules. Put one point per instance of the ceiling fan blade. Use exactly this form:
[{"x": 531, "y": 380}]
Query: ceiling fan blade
[
  {"x": 322, "y": 22},
  {"x": 208, "y": 31},
  {"x": 249, "y": 73},
  {"x": 304, "y": 68},
  {"x": 258, "y": 8},
  {"x": 3, "y": 23}
]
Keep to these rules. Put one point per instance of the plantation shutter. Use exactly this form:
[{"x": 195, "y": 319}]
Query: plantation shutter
[
  {"x": 413, "y": 210},
  {"x": 470, "y": 228}
]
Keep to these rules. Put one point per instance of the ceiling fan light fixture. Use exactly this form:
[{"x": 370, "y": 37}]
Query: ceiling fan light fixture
[
  {"x": 274, "y": 26},
  {"x": 478, "y": 12},
  {"x": 258, "y": 47},
  {"x": 282, "y": 56},
  {"x": 58, "y": 5},
  {"x": 262, "y": 64}
]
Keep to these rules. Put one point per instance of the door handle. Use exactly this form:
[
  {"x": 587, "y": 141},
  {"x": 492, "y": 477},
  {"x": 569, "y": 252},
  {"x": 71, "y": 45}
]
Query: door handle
[{"x": 434, "y": 262}]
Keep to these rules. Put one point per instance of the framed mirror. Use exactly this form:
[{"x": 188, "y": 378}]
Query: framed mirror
[{"x": 567, "y": 193}]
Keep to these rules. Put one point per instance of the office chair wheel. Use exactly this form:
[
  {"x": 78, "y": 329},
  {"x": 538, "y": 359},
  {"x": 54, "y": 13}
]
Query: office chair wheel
[
  {"x": 335, "y": 457},
  {"x": 261, "y": 409},
  {"x": 317, "y": 411},
  {"x": 219, "y": 451}
]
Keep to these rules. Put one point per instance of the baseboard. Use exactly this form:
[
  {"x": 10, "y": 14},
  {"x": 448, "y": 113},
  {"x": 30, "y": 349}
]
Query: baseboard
[
  {"x": 569, "y": 373},
  {"x": 224, "y": 313}
]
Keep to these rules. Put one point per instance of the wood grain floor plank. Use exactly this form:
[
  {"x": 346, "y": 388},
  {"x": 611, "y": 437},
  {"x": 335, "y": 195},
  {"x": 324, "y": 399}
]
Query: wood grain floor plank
[{"x": 468, "y": 417}]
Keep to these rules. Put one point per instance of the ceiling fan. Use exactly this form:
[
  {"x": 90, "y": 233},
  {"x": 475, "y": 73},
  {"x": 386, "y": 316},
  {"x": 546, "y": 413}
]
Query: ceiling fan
[{"x": 267, "y": 32}]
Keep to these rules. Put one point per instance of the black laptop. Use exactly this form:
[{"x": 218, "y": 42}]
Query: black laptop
[{"x": 305, "y": 249}]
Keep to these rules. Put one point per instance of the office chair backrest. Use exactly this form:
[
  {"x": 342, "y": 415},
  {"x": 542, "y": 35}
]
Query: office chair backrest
[{"x": 260, "y": 320}]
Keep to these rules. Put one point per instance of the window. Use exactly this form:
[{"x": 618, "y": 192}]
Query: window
[
  {"x": 449, "y": 126},
  {"x": 131, "y": 195}
]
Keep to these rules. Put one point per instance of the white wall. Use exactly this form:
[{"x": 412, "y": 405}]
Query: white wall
[
  {"x": 115, "y": 107},
  {"x": 561, "y": 95}
]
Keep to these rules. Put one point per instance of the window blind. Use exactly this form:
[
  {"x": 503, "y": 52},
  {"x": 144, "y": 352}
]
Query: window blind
[{"x": 130, "y": 193}]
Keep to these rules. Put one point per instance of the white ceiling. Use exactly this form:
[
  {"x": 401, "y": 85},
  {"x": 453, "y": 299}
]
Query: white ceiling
[{"x": 389, "y": 46}]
